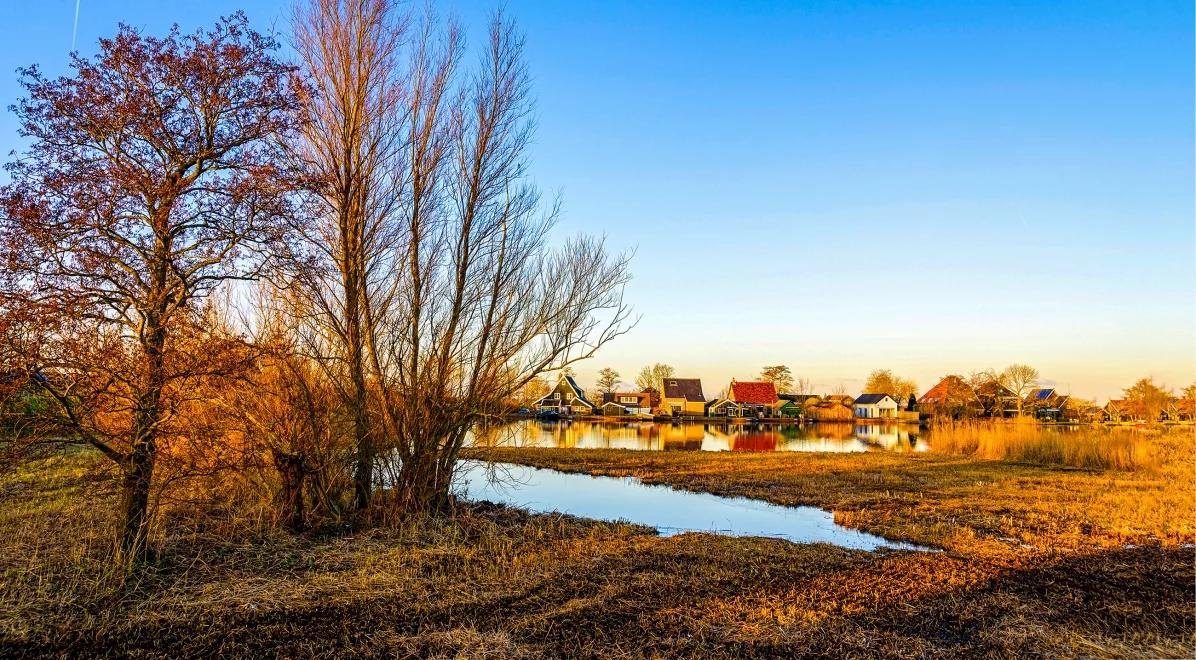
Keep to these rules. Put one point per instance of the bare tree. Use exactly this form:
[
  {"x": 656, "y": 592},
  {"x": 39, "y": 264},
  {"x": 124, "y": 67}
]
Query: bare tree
[
  {"x": 607, "y": 379},
  {"x": 651, "y": 379},
  {"x": 1020, "y": 379},
  {"x": 480, "y": 305},
  {"x": 803, "y": 386},
  {"x": 352, "y": 153},
  {"x": 779, "y": 375},
  {"x": 147, "y": 184}
]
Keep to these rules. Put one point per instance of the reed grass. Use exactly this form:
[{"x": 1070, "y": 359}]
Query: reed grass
[{"x": 1089, "y": 447}]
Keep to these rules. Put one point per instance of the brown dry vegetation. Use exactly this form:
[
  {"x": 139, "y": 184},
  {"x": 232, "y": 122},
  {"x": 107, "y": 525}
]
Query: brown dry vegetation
[{"x": 497, "y": 582}]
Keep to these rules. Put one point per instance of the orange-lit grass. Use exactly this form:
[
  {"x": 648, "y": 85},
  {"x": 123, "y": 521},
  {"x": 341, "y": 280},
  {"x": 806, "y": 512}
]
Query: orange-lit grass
[
  {"x": 495, "y": 582},
  {"x": 1091, "y": 447}
]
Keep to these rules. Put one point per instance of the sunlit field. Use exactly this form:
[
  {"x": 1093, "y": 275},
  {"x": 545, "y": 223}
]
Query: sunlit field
[{"x": 1031, "y": 559}]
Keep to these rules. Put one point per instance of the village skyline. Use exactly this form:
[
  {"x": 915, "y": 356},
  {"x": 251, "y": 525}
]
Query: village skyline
[{"x": 589, "y": 379}]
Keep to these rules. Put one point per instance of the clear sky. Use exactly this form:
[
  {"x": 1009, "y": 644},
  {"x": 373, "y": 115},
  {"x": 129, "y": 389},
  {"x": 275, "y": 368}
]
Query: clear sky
[{"x": 931, "y": 187}]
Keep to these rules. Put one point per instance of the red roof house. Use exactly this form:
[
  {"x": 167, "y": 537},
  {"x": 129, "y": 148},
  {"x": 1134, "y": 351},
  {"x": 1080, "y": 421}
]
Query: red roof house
[{"x": 756, "y": 393}]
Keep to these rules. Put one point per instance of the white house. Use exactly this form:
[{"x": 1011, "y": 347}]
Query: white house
[{"x": 875, "y": 406}]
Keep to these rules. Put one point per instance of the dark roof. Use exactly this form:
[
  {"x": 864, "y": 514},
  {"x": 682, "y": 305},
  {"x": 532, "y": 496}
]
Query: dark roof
[
  {"x": 871, "y": 398},
  {"x": 689, "y": 389},
  {"x": 581, "y": 394},
  {"x": 799, "y": 398}
]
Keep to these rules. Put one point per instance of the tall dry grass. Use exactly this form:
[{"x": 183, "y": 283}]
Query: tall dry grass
[{"x": 1089, "y": 447}]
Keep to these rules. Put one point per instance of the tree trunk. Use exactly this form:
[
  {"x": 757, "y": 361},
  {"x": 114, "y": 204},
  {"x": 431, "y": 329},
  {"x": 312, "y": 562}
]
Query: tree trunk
[
  {"x": 135, "y": 490},
  {"x": 291, "y": 472},
  {"x": 363, "y": 480},
  {"x": 139, "y": 468},
  {"x": 422, "y": 486}
]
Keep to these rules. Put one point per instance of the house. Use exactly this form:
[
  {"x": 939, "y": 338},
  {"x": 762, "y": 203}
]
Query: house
[
  {"x": 951, "y": 397},
  {"x": 801, "y": 399},
  {"x": 1120, "y": 410},
  {"x": 786, "y": 408},
  {"x": 724, "y": 407},
  {"x": 1046, "y": 404},
  {"x": 1182, "y": 409},
  {"x": 829, "y": 410},
  {"x": 756, "y": 398},
  {"x": 996, "y": 400},
  {"x": 802, "y": 403},
  {"x": 841, "y": 399},
  {"x": 627, "y": 403},
  {"x": 682, "y": 396},
  {"x": 567, "y": 398},
  {"x": 875, "y": 406}
]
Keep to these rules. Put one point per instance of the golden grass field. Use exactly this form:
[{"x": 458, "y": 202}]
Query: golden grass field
[{"x": 1035, "y": 560}]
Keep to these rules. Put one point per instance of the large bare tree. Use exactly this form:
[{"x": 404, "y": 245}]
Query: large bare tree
[
  {"x": 148, "y": 182},
  {"x": 484, "y": 305},
  {"x": 353, "y": 152},
  {"x": 427, "y": 283}
]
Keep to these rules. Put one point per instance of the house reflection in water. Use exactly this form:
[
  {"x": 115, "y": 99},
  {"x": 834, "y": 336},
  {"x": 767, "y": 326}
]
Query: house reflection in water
[{"x": 695, "y": 436}]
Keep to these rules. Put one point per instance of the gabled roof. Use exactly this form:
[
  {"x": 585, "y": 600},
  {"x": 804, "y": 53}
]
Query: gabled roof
[
  {"x": 577, "y": 389},
  {"x": 798, "y": 398},
  {"x": 872, "y": 398},
  {"x": 995, "y": 389},
  {"x": 689, "y": 389},
  {"x": 947, "y": 386},
  {"x": 756, "y": 392},
  {"x": 572, "y": 385}
]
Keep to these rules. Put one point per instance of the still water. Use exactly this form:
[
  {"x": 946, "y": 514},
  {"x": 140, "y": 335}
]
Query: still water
[
  {"x": 703, "y": 436},
  {"x": 668, "y": 510}
]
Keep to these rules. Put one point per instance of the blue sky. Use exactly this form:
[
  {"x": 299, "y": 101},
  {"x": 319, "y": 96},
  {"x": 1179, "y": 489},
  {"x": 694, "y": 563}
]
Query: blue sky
[{"x": 931, "y": 187}]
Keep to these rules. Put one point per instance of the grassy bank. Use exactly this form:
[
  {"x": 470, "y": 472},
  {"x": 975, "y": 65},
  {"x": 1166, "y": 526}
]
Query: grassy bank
[
  {"x": 950, "y": 499},
  {"x": 499, "y": 583}
]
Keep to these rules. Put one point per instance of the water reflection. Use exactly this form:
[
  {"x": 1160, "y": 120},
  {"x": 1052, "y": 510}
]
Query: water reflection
[
  {"x": 669, "y": 511},
  {"x": 694, "y": 436}
]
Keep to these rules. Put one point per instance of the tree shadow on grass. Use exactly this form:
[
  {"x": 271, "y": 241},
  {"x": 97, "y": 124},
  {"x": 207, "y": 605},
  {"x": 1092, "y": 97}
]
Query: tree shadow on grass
[{"x": 693, "y": 595}]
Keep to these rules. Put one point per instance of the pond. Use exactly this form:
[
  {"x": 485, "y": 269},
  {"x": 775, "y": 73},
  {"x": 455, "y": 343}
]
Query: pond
[
  {"x": 706, "y": 436},
  {"x": 668, "y": 510}
]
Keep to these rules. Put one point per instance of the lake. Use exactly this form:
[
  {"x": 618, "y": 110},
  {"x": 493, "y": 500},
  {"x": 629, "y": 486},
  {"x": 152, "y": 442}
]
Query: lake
[
  {"x": 699, "y": 436},
  {"x": 668, "y": 510}
]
